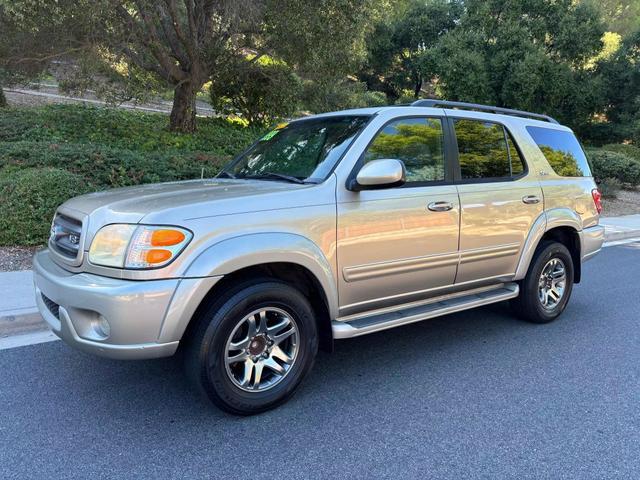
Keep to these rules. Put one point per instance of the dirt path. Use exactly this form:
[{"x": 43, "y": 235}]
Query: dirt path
[{"x": 46, "y": 95}]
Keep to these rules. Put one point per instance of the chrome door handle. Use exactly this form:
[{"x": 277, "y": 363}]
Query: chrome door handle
[
  {"x": 440, "y": 206},
  {"x": 531, "y": 199}
]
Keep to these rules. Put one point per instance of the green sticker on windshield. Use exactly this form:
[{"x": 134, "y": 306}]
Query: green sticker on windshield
[
  {"x": 269, "y": 135},
  {"x": 273, "y": 132}
]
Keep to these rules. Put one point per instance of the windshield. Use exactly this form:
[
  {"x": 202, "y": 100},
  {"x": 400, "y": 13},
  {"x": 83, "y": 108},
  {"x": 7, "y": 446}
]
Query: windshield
[{"x": 301, "y": 151}]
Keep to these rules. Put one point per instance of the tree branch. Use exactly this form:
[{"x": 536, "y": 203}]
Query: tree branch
[{"x": 152, "y": 41}]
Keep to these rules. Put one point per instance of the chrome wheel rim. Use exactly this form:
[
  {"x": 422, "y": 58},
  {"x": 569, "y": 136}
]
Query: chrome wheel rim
[
  {"x": 552, "y": 283},
  {"x": 262, "y": 349}
]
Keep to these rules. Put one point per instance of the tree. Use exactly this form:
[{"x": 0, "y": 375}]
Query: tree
[
  {"x": 620, "y": 16},
  {"x": 529, "y": 55},
  {"x": 621, "y": 85},
  {"x": 398, "y": 42},
  {"x": 182, "y": 43},
  {"x": 260, "y": 90},
  {"x": 324, "y": 41}
]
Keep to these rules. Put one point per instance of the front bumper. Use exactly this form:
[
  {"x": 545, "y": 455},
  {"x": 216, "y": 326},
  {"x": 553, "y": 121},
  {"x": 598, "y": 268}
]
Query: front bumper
[
  {"x": 74, "y": 305},
  {"x": 592, "y": 239}
]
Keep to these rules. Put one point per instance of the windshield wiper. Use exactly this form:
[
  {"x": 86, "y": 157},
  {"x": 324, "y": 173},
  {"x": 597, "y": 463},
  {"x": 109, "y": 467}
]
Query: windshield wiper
[
  {"x": 224, "y": 173},
  {"x": 279, "y": 176}
]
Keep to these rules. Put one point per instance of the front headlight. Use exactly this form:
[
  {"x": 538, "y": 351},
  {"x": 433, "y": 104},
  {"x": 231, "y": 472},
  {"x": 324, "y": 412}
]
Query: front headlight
[{"x": 137, "y": 246}]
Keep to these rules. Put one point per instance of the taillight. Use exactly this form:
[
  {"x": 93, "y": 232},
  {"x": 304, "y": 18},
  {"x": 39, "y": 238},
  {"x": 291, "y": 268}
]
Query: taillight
[{"x": 597, "y": 199}]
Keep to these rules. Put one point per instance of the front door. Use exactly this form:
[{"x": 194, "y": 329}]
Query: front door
[
  {"x": 397, "y": 245},
  {"x": 499, "y": 203}
]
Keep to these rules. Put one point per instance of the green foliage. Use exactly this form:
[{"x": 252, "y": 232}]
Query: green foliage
[
  {"x": 136, "y": 131},
  {"x": 324, "y": 39},
  {"x": 417, "y": 142},
  {"x": 620, "y": 15},
  {"x": 632, "y": 151},
  {"x": 28, "y": 199},
  {"x": 608, "y": 164},
  {"x": 609, "y": 187},
  {"x": 327, "y": 97},
  {"x": 52, "y": 153},
  {"x": 398, "y": 41},
  {"x": 563, "y": 163},
  {"x": 621, "y": 86},
  {"x": 260, "y": 91},
  {"x": 107, "y": 167},
  {"x": 526, "y": 55}
]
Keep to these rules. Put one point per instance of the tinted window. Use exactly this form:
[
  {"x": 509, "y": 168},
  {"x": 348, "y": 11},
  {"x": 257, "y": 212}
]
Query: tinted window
[
  {"x": 486, "y": 150},
  {"x": 418, "y": 142},
  {"x": 306, "y": 149},
  {"x": 562, "y": 151}
]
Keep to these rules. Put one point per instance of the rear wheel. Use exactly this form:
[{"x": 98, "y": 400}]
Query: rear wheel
[
  {"x": 546, "y": 289},
  {"x": 250, "y": 350}
]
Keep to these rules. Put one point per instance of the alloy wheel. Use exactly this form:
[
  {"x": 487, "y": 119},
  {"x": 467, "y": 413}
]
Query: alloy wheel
[{"x": 262, "y": 349}]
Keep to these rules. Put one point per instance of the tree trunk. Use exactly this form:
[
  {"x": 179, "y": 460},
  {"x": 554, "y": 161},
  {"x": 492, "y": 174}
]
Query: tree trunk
[
  {"x": 418, "y": 86},
  {"x": 183, "y": 112},
  {"x": 3, "y": 99}
]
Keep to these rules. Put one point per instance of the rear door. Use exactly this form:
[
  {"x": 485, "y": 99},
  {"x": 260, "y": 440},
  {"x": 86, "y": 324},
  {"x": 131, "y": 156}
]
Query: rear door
[{"x": 499, "y": 202}]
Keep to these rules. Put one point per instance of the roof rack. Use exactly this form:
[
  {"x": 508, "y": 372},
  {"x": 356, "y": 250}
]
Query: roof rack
[{"x": 482, "y": 108}]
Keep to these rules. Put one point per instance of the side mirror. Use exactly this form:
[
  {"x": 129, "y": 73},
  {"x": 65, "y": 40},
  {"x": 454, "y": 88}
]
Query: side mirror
[{"x": 383, "y": 173}]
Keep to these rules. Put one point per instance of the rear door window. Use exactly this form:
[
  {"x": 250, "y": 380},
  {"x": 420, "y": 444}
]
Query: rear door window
[
  {"x": 486, "y": 151},
  {"x": 562, "y": 150}
]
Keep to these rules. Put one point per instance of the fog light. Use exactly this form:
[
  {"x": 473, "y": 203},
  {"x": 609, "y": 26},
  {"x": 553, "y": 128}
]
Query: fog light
[{"x": 102, "y": 327}]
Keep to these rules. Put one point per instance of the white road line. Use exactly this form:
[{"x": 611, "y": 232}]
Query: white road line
[
  {"x": 615, "y": 243},
  {"x": 25, "y": 339}
]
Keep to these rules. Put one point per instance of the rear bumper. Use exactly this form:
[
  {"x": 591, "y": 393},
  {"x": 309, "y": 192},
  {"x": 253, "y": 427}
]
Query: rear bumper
[
  {"x": 591, "y": 240},
  {"x": 145, "y": 319}
]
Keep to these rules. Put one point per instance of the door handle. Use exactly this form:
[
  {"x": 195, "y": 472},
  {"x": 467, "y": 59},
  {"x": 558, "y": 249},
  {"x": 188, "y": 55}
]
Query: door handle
[
  {"x": 531, "y": 199},
  {"x": 440, "y": 206}
]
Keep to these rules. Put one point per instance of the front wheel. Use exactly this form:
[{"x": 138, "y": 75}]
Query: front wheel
[
  {"x": 252, "y": 349},
  {"x": 546, "y": 289}
]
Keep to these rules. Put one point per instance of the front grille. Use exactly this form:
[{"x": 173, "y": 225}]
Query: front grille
[
  {"x": 65, "y": 235},
  {"x": 52, "y": 306}
]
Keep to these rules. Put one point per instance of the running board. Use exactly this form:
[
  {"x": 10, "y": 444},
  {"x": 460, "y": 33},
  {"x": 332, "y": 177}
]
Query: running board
[{"x": 383, "y": 321}]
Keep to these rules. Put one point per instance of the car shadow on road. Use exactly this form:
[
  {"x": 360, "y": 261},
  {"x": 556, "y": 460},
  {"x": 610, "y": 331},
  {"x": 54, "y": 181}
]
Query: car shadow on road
[{"x": 404, "y": 357}]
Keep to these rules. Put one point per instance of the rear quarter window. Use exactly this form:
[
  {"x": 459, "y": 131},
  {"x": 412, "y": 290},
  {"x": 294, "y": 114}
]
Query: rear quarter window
[{"x": 562, "y": 150}]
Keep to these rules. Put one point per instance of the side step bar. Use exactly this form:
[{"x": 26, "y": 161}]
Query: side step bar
[{"x": 383, "y": 321}]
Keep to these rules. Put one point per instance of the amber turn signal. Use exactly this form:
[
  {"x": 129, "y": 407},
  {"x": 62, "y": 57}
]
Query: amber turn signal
[
  {"x": 166, "y": 238},
  {"x": 157, "y": 255}
]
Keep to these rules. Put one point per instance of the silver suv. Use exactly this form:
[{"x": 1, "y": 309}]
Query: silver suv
[{"x": 328, "y": 227}]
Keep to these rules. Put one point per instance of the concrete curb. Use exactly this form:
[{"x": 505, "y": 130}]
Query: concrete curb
[
  {"x": 28, "y": 320},
  {"x": 11, "y": 325}
]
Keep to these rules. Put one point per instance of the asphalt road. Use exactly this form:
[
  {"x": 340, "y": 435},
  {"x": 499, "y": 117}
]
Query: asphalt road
[{"x": 472, "y": 395}]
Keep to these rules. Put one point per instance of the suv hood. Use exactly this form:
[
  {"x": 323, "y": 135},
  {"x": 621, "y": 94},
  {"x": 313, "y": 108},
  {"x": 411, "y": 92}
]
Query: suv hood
[{"x": 171, "y": 203}]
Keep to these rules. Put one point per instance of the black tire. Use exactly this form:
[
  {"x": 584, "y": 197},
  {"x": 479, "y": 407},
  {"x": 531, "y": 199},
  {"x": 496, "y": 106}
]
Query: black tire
[
  {"x": 528, "y": 305},
  {"x": 205, "y": 348}
]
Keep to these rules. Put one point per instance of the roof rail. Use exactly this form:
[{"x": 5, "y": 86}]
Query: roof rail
[{"x": 482, "y": 108}]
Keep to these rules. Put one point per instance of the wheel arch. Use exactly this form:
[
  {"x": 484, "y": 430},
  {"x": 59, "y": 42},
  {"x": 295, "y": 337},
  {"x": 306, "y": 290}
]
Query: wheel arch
[
  {"x": 290, "y": 258},
  {"x": 559, "y": 224}
]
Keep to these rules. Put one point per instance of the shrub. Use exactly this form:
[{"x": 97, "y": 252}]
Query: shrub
[
  {"x": 340, "y": 95},
  {"x": 122, "y": 129},
  {"x": 28, "y": 199},
  {"x": 609, "y": 187},
  {"x": 628, "y": 150},
  {"x": 607, "y": 164},
  {"x": 260, "y": 91},
  {"x": 107, "y": 167}
]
